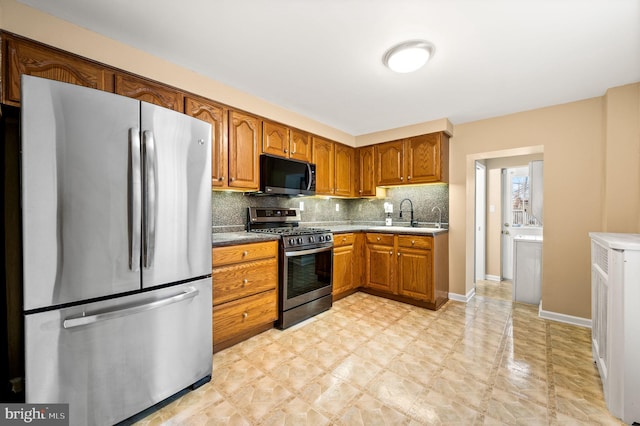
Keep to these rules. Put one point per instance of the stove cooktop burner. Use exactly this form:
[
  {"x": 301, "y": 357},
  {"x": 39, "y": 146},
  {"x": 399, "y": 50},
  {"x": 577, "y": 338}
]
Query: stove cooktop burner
[{"x": 292, "y": 231}]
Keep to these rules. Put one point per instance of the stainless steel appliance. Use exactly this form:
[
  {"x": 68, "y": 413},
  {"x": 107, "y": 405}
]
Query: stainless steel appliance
[
  {"x": 306, "y": 263},
  {"x": 285, "y": 176},
  {"x": 116, "y": 210}
]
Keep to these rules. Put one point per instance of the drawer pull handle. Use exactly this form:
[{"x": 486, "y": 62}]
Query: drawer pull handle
[{"x": 245, "y": 315}]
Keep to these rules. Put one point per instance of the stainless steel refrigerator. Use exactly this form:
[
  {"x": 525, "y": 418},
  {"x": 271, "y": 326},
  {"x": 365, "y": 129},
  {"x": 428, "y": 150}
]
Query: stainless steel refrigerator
[{"x": 116, "y": 208}]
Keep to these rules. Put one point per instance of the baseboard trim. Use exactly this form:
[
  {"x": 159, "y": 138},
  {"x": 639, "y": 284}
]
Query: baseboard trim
[
  {"x": 492, "y": 278},
  {"x": 567, "y": 319},
  {"x": 461, "y": 297}
]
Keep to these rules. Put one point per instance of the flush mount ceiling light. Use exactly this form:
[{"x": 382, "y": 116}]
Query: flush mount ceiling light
[{"x": 408, "y": 56}]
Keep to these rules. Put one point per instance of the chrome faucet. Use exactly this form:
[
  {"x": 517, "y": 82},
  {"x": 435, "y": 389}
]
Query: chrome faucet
[
  {"x": 439, "y": 224},
  {"x": 412, "y": 222}
]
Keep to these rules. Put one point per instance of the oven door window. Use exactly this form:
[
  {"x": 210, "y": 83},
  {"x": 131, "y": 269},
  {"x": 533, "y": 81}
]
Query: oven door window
[{"x": 307, "y": 276}]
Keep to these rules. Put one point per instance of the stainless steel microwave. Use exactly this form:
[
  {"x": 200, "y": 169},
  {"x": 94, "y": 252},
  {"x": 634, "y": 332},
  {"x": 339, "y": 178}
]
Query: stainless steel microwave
[{"x": 287, "y": 177}]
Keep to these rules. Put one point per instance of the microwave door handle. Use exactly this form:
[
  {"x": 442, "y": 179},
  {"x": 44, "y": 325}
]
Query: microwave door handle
[{"x": 310, "y": 174}]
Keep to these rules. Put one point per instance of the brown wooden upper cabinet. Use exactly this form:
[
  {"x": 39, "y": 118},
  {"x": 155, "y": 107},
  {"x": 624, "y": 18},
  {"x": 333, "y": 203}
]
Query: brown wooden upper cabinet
[
  {"x": 419, "y": 159},
  {"x": 278, "y": 139},
  {"x": 366, "y": 176},
  {"x": 335, "y": 168},
  {"x": 21, "y": 56},
  {"x": 149, "y": 91},
  {"x": 217, "y": 116},
  {"x": 345, "y": 163},
  {"x": 324, "y": 159},
  {"x": 245, "y": 139}
]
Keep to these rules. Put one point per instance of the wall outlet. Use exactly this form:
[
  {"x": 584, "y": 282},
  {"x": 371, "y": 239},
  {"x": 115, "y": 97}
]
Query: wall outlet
[
  {"x": 301, "y": 206},
  {"x": 337, "y": 207}
]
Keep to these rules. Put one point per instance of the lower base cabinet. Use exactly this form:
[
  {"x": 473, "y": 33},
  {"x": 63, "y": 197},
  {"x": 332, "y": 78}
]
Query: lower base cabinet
[
  {"x": 245, "y": 291},
  {"x": 346, "y": 264}
]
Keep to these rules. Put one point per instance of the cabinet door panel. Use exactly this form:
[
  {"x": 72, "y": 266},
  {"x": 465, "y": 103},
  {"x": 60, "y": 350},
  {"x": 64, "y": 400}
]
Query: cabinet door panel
[
  {"x": 216, "y": 115},
  {"x": 388, "y": 162},
  {"x": 342, "y": 269},
  {"x": 422, "y": 158},
  {"x": 300, "y": 143},
  {"x": 244, "y": 137},
  {"x": 345, "y": 173},
  {"x": 24, "y": 57},
  {"x": 275, "y": 139},
  {"x": 148, "y": 91},
  {"x": 323, "y": 157},
  {"x": 366, "y": 181},
  {"x": 380, "y": 267},
  {"x": 415, "y": 273}
]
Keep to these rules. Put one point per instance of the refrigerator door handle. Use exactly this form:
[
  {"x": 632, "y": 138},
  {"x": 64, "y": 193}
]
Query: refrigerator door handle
[
  {"x": 104, "y": 316},
  {"x": 150, "y": 198},
  {"x": 135, "y": 200}
]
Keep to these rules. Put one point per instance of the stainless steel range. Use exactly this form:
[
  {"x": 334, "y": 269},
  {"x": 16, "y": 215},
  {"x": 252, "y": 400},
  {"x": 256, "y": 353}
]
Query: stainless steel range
[{"x": 306, "y": 263}]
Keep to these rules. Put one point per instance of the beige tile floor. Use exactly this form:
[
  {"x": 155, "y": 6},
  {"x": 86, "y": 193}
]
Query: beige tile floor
[{"x": 372, "y": 361}]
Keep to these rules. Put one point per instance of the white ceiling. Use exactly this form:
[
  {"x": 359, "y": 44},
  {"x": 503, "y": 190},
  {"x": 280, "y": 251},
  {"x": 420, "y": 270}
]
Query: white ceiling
[{"x": 323, "y": 58}]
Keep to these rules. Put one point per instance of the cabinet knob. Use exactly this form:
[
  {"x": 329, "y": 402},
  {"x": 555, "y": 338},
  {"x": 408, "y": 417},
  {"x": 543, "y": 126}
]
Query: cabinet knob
[
  {"x": 360, "y": 191},
  {"x": 245, "y": 253},
  {"x": 344, "y": 239},
  {"x": 286, "y": 150},
  {"x": 232, "y": 179},
  {"x": 408, "y": 177},
  {"x": 244, "y": 282},
  {"x": 398, "y": 254},
  {"x": 413, "y": 242},
  {"x": 401, "y": 178},
  {"x": 390, "y": 251},
  {"x": 221, "y": 178},
  {"x": 245, "y": 315},
  {"x": 378, "y": 238}
]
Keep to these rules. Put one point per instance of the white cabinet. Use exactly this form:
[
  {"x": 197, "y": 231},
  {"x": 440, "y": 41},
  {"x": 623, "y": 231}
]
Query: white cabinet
[
  {"x": 527, "y": 268},
  {"x": 615, "y": 313}
]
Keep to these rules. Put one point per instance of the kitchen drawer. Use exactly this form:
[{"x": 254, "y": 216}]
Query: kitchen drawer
[
  {"x": 239, "y": 316},
  {"x": 343, "y": 239},
  {"x": 384, "y": 239},
  {"x": 243, "y": 253},
  {"x": 415, "y": 241},
  {"x": 236, "y": 281}
]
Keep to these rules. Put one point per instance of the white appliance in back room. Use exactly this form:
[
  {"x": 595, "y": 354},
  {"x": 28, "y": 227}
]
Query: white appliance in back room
[{"x": 116, "y": 210}]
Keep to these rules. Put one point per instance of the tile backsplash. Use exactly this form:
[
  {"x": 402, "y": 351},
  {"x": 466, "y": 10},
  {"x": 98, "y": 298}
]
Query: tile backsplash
[{"x": 230, "y": 208}]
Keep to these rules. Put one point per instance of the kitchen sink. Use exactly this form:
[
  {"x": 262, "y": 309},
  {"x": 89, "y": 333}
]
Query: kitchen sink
[{"x": 407, "y": 229}]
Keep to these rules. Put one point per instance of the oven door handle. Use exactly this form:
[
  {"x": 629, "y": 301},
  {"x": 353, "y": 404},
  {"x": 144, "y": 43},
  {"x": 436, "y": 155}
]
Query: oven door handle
[{"x": 305, "y": 252}]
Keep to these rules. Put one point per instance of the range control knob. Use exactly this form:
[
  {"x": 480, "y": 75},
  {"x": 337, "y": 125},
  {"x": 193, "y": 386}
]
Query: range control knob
[
  {"x": 321, "y": 238},
  {"x": 327, "y": 237},
  {"x": 299, "y": 240},
  {"x": 311, "y": 239},
  {"x": 292, "y": 241}
]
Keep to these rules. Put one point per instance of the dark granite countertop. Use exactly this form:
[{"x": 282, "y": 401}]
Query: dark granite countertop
[{"x": 220, "y": 239}]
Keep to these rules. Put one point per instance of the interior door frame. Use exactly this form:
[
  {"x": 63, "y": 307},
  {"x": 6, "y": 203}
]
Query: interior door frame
[{"x": 480, "y": 224}]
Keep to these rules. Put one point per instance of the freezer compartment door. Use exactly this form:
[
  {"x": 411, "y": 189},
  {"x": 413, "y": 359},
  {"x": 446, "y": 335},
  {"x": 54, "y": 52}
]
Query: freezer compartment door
[
  {"x": 177, "y": 196},
  {"x": 76, "y": 184},
  {"x": 110, "y": 360}
]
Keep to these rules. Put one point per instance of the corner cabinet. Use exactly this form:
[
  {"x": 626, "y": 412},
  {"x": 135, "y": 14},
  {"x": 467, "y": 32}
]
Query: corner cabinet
[
  {"x": 409, "y": 268},
  {"x": 615, "y": 328},
  {"x": 418, "y": 159},
  {"x": 245, "y": 291}
]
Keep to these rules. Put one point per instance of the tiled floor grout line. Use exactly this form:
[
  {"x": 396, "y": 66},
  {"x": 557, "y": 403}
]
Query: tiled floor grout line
[
  {"x": 552, "y": 409},
  {"x": 484, "y": 405}
]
